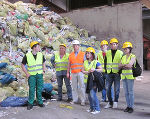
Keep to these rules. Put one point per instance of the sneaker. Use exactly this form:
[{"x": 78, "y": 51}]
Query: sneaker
[
  {"x": 95, "y": 112},
  {"x": 69, "y": 99},
  {"x": 103, "y": 100},
  {"x": 115, "y": 105},
  {"x": 127, "y": 109},
  {"x": 29, "y": 107},
  {"x": 108, "y": 106},
  {"x": 82, "y": 103},
  {"x": 89, "y": 110},
  {"x": 130, "y": 110},
  {"x": 41, "y": 105}
]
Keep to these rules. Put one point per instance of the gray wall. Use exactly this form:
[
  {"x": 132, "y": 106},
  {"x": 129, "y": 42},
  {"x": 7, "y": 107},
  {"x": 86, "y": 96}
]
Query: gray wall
[{"x": 123, "y": 21}]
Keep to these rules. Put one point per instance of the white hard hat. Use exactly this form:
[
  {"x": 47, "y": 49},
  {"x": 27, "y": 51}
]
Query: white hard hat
[{"x": 75, "y": 42}]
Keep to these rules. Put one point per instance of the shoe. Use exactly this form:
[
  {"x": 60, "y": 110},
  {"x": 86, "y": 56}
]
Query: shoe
[
  {"x": 89, "y": 110},
  {"x": 103, "y": 100},
  {"x": 41, "y": 105},
  {"x": 69, "y": 99},
  {"x": 115, "y": 105},
  {"x": 127, "y": 109},
  {"x": 29, "y": 107},
  {"x": 95, "y": 112},
  {"x": 72, "y": 102},
  {"x": 130, "y": 110},
  {"x": 82, "y": 103},
  {"x": 108, "y": 106},
  {"x": 59, "y": 99}
]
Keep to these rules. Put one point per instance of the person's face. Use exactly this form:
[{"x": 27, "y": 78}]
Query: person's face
[
  {"x": 37, "y": 48},
  {"x": 62, "y": 49},
  {"x": 76, "y": 47},
  {"x": 114, "y": 46},
  {"x": 88, "y": 55},
  {"x": 104, "y": 47},
  {"x": 126, "y": 50}
]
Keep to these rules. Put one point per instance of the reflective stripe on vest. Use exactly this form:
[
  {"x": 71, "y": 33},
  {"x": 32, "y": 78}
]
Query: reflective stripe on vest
[
  {"x": 113, "y": 65},
  {"x": 88, "y": 66},
  {"x": 35, "y": 66},
  {"x": 61, "y": 63},
  {"x": 101, "y": 59},
  {"x": 76, "y": 62},
  {"x": 128, "y": 74}
]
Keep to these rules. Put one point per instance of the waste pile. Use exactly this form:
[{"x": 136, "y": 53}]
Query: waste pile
[{"x": 21, "y": 23}]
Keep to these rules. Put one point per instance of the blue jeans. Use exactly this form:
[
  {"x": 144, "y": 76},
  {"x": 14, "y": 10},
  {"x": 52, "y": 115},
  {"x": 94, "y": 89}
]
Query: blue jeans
[
  {"x": 110, "y": 79},
  {"x": 129, "y": 92},
  {"x": 104, "y": 90},
  {"x": 94, "y": 102},
  {"x": 68, "y": 86}
]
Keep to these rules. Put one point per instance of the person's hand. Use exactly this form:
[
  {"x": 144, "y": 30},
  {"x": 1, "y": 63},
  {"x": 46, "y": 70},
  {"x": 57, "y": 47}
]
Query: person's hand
[
  {"x": 91, "y": 70},
  {"x": 68, "y": 75},
  {"x": 27, "y": 75}
]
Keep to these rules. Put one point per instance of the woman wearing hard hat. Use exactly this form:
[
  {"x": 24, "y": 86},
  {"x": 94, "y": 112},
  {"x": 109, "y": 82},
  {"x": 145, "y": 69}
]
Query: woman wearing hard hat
[
  {"x": 127, "y": 75},
  {"x": 36, "y": 67},
  {"x": 91, "y": 65}
]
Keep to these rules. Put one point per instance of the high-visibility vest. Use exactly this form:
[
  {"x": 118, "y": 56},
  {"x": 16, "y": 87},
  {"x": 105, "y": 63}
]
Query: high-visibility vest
[
  {"x": 35, "y": 66},
  {"x": 61, "y": 64},
  {"x": 101, "y": 59},
  {"x": 128, "y": 72},
  {"x": 113, "y": 65},
  {"x": 88, "y": 66},
  {"x": 76, "y": 62}
]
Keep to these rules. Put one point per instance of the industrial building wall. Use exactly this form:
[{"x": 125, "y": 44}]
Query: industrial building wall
[{"x": 123, "y": 21}]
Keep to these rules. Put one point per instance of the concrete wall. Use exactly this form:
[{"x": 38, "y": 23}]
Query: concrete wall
[{"x": 123, "y": 21}]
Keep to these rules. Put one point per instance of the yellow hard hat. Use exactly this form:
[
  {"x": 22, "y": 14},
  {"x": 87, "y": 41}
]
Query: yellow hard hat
[
  {"x": 127, "y": 44},
  {"x": 90, "y": 49},
  {"x": 104, "y": 42},
  {"x": 33, "y": 43},
  {"x": 114, "y": 40},
  {"x": 63, "y": 45}
]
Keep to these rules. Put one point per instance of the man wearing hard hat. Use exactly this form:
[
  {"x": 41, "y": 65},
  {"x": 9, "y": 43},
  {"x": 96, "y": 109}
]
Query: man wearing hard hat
[
  {"x": 35, "y": 69},
  {"x": 76, "y": 60},
  {"x": 101, "y": 58},
  {"x": 60, "y": 62},
  {"x": 113, "y": 58}
]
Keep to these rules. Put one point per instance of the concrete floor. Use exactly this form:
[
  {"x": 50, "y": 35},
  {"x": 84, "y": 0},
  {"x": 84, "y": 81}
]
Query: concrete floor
[{"x": 54, "y": 111}]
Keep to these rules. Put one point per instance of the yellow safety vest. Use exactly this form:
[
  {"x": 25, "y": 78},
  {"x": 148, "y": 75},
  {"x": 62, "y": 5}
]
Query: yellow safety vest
[
  {"x": 88, "y": 66},
  {"x": 127, "y": 73},
  {"x": 113, "y": 65},
  {"x": 35, "y": 66},
  {"x": 101, "y": 59},
  {"x": 61, "y": 64}
]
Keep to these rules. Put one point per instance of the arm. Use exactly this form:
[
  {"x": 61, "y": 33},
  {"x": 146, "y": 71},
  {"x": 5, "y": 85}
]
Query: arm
[
  {"x": 53, "y": 61},
  {"x": 68, "y": 69},
  {"x": 132, "y": 61},
  {"x": 25, "y": 71},
  {"x": 44, "y": 67}
]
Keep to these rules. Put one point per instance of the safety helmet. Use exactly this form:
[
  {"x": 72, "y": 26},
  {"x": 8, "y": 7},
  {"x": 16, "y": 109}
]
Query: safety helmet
[
  {"x": 127, "y": 44},
  {"x": 33, "y": 43},
  {"x": 90, "y": 49},
  {"x": 75, "y": 42},
  {"x": 114, "y": 40},
  {"x": 63, "y": 45},
  {"x": 104, "y": 42}
]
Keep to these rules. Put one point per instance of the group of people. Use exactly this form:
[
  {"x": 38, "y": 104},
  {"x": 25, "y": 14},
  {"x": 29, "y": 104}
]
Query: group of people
[{"x": 88, "y": 73}]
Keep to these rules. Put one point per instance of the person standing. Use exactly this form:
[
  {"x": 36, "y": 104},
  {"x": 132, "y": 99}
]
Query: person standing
[
  {"x": 127, "y": 75},
  {"x": 60, "y": 62},
  {"x": 75, "y": 63},
  {"x": 113, "y": 58},
  {"x": 101, "y": 58},
  {"x": 91, "y": 65},
  {"x": 35, "y": 69}
]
